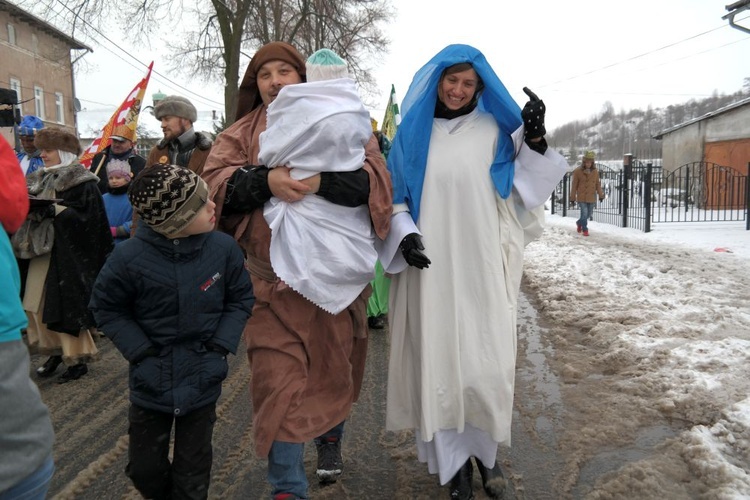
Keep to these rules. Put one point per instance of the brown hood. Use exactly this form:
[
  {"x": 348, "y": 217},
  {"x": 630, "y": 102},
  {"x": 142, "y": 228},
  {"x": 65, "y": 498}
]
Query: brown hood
[{"x": 249, "y": 97}]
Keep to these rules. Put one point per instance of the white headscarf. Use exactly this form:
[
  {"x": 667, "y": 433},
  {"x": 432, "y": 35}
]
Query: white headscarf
[{"x": 66, "y": 158}]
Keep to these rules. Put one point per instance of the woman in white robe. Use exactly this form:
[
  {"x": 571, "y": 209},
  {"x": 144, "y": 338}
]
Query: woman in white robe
[{"x": 471, "y": 179}]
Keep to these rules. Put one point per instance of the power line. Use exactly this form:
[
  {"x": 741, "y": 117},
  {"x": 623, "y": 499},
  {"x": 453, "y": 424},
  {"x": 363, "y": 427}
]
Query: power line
[
  {"x": 650, "y": 52},
  {"x": 144, "y": 65}
]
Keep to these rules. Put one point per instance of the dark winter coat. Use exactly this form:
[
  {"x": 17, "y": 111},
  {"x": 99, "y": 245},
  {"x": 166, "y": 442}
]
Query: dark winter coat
[
  {"x": 193, "y": 157},
  {"x": 176, "y": 299},
  {"x": 136, "y": 161},
  {"x": 82, "y": 242}
]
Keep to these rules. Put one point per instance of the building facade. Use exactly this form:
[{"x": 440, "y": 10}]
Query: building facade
[
  {"x": 37, "y": 64},
  {"x": 721, "y": 137}
]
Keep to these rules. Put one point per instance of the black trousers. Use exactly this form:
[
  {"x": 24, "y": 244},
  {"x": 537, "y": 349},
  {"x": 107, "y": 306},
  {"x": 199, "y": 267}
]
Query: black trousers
[{"x": 188, "y": 476}]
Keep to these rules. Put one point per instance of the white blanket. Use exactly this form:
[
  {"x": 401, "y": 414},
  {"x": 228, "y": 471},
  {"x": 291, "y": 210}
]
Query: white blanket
[{"x": 323, "y": 251}]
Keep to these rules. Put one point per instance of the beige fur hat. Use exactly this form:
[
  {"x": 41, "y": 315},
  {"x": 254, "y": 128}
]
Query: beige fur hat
[
  {"x": 57, "y": 138},
  {"x": 174, "y": 105}
]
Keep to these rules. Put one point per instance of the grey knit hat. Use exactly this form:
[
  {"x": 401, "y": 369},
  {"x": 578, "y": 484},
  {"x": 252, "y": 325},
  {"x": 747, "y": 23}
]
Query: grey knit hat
[
  {"x": 174, "y": 105},
  {"x": 168, "y": 197}
]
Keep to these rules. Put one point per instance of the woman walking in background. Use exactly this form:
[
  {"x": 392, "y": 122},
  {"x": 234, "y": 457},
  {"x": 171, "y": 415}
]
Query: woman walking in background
[
  {"x": 67, "y": 238},
  {"x": 584, "y": 189}
]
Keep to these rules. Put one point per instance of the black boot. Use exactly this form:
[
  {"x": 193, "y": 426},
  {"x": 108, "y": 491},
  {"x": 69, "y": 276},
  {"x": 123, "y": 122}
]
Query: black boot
[
  {"x": 376, "y": 322},
  {"x": 493, "y": 480},
  {"x": 49, "y": 366},
  {"x": 73, "y": 373},
  {"x": 461, "y": 483}
]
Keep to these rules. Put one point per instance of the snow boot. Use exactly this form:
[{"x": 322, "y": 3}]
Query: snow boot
[
  {"x": 493, "y": 480},
  {"x": 461, "y": 483}
]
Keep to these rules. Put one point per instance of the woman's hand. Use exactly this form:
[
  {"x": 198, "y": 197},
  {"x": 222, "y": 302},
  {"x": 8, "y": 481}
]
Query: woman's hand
[
  {"x": 533, "y": 116},
  {"x": 411, "y": 248}
]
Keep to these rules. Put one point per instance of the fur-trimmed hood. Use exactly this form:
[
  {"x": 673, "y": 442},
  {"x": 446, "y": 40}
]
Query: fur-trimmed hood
[
  {"x": 63, "y": 178},
  {"x": 201, "y": 142}
]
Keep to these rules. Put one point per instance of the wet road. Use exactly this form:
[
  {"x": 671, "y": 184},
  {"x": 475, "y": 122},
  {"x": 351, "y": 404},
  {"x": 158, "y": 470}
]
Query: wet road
[{"x": 90, "y": 419}]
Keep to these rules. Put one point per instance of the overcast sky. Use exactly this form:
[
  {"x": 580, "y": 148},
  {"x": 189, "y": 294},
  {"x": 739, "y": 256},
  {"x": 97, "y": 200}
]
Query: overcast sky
[{"x": 576, "y": 55}]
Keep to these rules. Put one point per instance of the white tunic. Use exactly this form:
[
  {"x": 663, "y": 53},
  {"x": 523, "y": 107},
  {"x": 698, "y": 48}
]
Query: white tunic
[{"x": 453, "y": 325}]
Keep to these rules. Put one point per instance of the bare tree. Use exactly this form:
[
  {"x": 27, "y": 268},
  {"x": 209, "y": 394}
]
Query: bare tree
[{"x": 217, "y": 38}]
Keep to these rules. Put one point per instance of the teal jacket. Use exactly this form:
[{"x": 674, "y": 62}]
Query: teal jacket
[{"x": 26, "y": 434}]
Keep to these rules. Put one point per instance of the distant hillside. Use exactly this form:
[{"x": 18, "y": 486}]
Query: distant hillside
[{"x": 613, "y": 134}]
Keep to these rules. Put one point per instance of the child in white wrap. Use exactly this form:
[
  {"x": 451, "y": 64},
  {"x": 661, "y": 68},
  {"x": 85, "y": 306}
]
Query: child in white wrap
[{"x": 322, "y": 250}]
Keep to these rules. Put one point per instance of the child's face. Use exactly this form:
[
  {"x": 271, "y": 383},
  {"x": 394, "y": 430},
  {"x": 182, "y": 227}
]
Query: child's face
[
  {"x": 204, "y": 222},
  {"x": 118, "y": 181}
]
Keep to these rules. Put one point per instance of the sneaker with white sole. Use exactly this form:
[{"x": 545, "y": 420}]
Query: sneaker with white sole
[{"x": 330, "y": 464}]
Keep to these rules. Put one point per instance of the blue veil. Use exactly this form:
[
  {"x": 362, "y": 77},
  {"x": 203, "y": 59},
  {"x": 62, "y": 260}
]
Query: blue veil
[{"x": 408, "y": 156}]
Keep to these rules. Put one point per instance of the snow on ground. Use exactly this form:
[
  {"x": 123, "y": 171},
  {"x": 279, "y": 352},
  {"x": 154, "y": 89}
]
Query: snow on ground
[{"x": 662, "y": 320}]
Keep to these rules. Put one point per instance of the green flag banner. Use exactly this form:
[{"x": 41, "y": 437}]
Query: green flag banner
[{"x": 392, "y": 117}]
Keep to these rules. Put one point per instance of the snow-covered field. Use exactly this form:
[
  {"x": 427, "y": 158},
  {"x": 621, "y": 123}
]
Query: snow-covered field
[{"x": 653, "y": 332}]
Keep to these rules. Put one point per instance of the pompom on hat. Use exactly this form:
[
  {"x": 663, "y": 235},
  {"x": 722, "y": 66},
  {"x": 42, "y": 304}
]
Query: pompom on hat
[
  {"x": 325, "y": 64},
  {"x": 174, "y": 105},
  {"x": 30, "y": 125},
  {"x": 59, "y": 139},
  {"x": 168, "y": 197}
]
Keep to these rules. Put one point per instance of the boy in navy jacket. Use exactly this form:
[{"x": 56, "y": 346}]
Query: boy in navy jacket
[{"x": 174, "y": 300}]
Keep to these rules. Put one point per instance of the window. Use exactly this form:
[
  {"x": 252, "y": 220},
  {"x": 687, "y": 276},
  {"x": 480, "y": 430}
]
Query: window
[
  {"x": 16, "y": 85},
  {"x": 59, "y": 109},
  {"x": 11, "y": 34},
  {"x": 34, "y": 44},
  {"x": 39, "y": 102}
]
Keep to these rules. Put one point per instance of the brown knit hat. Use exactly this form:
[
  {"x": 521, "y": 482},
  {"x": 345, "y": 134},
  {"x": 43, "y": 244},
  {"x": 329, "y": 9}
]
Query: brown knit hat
[
  {"x": 57, "y": 138},
  {"x": 168, "y": 197}
]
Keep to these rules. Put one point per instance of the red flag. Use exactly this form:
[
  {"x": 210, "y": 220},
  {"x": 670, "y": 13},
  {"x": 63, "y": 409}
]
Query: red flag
[{"x": 126, "y": 114}]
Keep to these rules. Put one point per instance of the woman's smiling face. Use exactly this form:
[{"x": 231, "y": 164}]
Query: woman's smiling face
[{"x": 456, "y": 90}]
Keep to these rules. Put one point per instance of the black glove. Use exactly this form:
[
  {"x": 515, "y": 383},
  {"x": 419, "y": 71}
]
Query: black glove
[
  {"x": 211, "y": 346},
  {"x": 411, "y": 247},
  {"x": 533, "y": 116}
]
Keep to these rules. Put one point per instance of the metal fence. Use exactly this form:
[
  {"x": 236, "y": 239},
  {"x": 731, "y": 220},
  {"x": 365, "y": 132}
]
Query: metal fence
[{"x": 641, "y": 194}]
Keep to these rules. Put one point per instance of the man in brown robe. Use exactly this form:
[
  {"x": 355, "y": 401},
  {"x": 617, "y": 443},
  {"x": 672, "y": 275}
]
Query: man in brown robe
[{"x": 307, "y": 365}]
